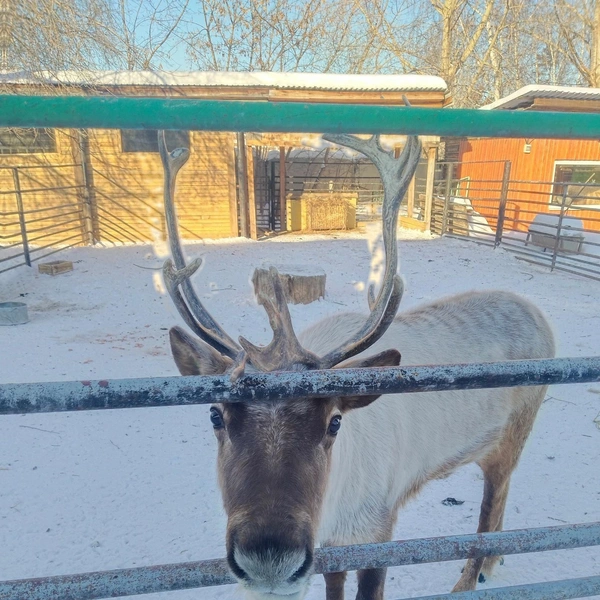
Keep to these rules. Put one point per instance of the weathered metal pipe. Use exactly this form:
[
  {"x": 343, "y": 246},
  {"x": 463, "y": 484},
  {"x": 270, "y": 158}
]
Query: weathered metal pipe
[
  {"x": 162, "y": 578},
  {"x": 549, "y": 590},
  {"x": 171, "y": 391},
  {"x": 114, "y": 112}
]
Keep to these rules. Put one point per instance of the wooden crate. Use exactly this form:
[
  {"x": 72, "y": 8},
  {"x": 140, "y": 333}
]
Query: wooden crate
[{"x": 55, "y": 267}]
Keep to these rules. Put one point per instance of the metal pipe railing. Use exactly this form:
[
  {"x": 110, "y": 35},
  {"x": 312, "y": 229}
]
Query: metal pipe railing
[
  {"x": 550, "y": 590},
  {"x": 18, "y": 398},
  {"x": 162, "y": 578},
  {"x": 238, "y": 116}
]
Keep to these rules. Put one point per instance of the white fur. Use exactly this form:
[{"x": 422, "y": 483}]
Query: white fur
[
  {"x": 268, "y": 572},
  {"x": 387, "y": 449}
]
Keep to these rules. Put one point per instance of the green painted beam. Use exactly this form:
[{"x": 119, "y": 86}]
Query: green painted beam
[{"x": 229, "y": 115}]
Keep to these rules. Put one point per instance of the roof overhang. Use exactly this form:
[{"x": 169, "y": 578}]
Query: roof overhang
[
  {"x": 217, "y": 79},
  {"x": 530, "y": 95}
]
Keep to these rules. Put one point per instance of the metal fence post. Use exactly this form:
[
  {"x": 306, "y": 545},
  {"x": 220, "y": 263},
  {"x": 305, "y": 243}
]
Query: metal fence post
[
  {"x": 282, "y": 190},
  {"x": 22, "y": 222},
  {"x": 558, "y": 228},
  {"x": 447, "y": 192},
  {"x": 503, "y": 199}
]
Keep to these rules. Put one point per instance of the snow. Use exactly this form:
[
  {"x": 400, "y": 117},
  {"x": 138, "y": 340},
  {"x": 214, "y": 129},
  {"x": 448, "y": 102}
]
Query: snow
[
  {"x": 477, "y": 224},
  {"x": 548, "y": 224},
  {"x": 113, "y": 489},
  {"x": 527, "y": 94},
  {"x": 591, "y": 243},
  {"x": 313, "y": 81}
]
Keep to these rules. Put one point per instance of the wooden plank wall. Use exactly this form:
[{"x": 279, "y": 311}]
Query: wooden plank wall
[
  {"x": 129, "y": 188},
  {"x": 526, "y": 197}
]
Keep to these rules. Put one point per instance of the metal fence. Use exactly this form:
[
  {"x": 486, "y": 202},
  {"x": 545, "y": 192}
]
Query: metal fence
[
  {"x": 119, "y": 394},
  {"x": 245, "y": 116},
  {"x": 30, "y": 234},
  {"x": 549, "y": 223},
  {"x": 43, "y": 211},
  {"x": 165, "y": 578}
]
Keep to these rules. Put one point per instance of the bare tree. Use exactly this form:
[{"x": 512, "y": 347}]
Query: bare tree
[
  {"x": 84, "y": 35},
  {"x": 484, "y": 49},
  {"x": 280, "y": 35},
  {"x": 579, "y": 25}
]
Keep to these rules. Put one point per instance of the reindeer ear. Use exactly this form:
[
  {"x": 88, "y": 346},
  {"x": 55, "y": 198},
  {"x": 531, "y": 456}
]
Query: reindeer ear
[
  {"x": 194, "y": 357},
  {"x": 387, "y": 358}
]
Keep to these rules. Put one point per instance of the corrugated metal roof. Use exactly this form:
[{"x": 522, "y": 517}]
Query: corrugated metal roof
[
  {"x": 313, "y": 81},
  {"x": 526, "y": 95}
]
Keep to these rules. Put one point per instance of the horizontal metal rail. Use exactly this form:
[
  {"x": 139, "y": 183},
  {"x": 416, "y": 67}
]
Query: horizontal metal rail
[
  {"x": 162, "y": 578},
  {"x": 234, "y": 115},
  {"x": 60, "y": 188},
  {"x": 30, "y": 167},
  {"x": 550, "y": 590},
  {"x": 17, "y": 398}
]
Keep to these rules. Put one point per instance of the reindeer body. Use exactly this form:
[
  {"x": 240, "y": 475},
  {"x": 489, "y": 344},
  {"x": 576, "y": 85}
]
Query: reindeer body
[
  {"x": 386, "y": 451},
  {"x": 287, "y": 479}
]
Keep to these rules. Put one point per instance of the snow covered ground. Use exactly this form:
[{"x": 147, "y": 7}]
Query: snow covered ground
[{"x": 113, "y": 489}]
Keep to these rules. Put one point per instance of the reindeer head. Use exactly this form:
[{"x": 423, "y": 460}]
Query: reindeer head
[{"x": 273, "y": 456}]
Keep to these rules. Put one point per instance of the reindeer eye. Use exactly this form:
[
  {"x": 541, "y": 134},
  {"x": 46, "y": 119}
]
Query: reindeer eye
[
  {"x": 216, "y": 418},
  {"x": 334, "y": 425}
]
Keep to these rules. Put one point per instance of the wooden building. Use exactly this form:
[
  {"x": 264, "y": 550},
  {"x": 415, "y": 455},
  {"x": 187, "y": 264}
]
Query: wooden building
[
  {"x": 543, "y": 172},
  {"x": 106, "y": 185}
]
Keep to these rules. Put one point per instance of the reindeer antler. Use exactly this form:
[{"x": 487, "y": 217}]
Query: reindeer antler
[
  {"x": 285, "y": 352},
  {"x": 176, "y": 273},
  {"x": 396, "y": 176}
]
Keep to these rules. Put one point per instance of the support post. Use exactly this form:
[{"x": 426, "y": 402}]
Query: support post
[
  {"x": 234, "y": 225},
  {"x": 563, "y": 205},
  {"x": 410, "y": 198},
  {"x": 431, "y": 157},
  {"x": 84, "y": 177},
  {"x": 22, "y": 223},
  {"x": 251, "y": 193},
  {"x": 242, "y": 178},
  {"x": 503, "y": 200},
  {"x": 271, "y": 180},
  {"x": 447, "y": 193},
  {"x": 282, "y": 190}
]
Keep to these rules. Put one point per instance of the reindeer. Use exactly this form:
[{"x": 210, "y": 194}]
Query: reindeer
[{"x": 336, "y": 471}]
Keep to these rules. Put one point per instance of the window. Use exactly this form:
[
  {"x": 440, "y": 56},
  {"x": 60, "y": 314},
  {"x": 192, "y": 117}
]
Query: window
[
  {"x": 579, "y": 180},
  {"x": 17, "y": 140},
  {"x": 146, "y": 140}
]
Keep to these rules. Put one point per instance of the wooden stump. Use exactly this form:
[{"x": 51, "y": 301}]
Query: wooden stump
[{"x": 302, "y": 284}]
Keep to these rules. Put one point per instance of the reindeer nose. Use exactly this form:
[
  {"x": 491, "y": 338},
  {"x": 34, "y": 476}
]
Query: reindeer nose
[{"x": 269, "y": 561}]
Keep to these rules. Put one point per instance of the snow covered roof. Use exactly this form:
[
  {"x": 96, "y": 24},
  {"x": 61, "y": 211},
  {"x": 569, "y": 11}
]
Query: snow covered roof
[
  {"x": 314, "y": 81},
  {"x": 526, "y": 95}
]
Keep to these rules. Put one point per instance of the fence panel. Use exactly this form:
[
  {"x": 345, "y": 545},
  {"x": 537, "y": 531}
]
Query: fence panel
[
  {"x": 113, "y": 112},
  {"x": 206, "y": 573},
  {"x": 38, "y": 220},
  {"x": 557, "y": 230}
]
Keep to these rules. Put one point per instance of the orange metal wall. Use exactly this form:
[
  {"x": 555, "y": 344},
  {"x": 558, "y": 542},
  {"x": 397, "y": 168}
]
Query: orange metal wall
[{"x": 526, "y": 169}]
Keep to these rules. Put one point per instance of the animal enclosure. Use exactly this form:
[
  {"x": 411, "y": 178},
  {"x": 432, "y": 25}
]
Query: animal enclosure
[{"x": 575, "y": 587}]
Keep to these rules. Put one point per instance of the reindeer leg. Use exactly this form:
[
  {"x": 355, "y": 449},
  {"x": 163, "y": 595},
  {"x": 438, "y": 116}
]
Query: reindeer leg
[
  {"x": 334, "y": 585},
  {"x": 495, "y": 490},
  {"x": 497, "y": 468},
  {"x": 370, "y": 584},
  {"x": 372, "y": 581}
]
